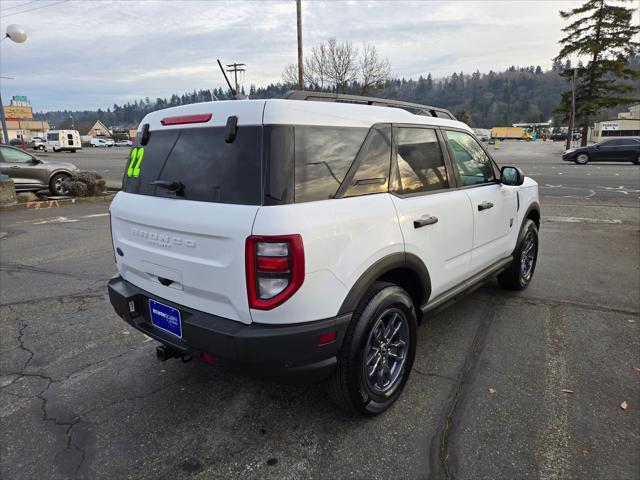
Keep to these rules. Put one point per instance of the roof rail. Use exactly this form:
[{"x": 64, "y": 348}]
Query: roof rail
[{"x": 415, "y": 108}]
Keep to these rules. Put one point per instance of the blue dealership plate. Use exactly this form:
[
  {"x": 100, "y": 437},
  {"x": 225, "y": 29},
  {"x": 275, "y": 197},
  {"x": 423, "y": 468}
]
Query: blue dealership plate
[{"x": 166, "y": 318}]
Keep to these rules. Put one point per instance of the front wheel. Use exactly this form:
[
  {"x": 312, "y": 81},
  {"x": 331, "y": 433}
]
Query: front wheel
[
  {"x": 582, "y": 159},
  {"x": 377, "y": 353},
  {"x": 520, "y": 272},
  {"x": 57, "y": 184},
  {"x": 637, "y": 160}
]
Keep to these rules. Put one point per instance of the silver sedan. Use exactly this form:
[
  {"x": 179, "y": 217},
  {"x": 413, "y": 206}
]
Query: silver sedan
[{"x": 32, "y": 173}]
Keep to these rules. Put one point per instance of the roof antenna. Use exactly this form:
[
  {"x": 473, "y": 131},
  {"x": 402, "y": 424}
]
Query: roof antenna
[{"x": 233, "y": 92}]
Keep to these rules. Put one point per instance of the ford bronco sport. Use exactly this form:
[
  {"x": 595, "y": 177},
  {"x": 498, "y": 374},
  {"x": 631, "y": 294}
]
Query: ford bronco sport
[{"x": 307, "y": 236}]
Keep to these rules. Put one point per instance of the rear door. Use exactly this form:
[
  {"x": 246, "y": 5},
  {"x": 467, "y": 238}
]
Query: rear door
[
  {"x": 494, "y": 205},
  {"x": 187, "y": 244},
  {"x": 435, "y": 219}
]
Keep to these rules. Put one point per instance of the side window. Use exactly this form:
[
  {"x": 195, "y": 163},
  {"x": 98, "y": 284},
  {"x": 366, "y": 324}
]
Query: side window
[
  {"x": 323, "y": 156},
  {"x": 372, "y": 163},
  {"x": 473, "y": 164},
  {"x": 11, "y": 155},
  {"x": 420, "y": 161}
]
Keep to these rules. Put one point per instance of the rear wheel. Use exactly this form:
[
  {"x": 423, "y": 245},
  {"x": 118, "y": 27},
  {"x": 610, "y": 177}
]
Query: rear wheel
[
  {"x": 377, "y": 353},
  {"x": 582, "y": 159},
  {"x": 57, "y": 184},
  {"x": 637, "y": 160},
  {"x": 520, "y": 272}
]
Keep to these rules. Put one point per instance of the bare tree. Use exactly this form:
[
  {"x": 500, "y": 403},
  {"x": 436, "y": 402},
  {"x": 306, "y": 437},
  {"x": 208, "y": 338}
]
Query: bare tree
[
  {"x": 374, "y": 71},
  {"x": 290, "y": 74},
  {"x": 316, "y": 67},
  {"x": 338, "y": 66},
  {"x": 343, "y": 64}
]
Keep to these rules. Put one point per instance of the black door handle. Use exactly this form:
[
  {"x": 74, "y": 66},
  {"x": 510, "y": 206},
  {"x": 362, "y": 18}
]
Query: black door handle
[
  {"x": 423, "y": 222},
  {"x": 485, "y": 206}
]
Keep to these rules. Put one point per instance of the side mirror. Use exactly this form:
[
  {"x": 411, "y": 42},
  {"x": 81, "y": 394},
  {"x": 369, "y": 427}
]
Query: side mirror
[
  {"x": 36, "y": 161},
  {"x": 511, "y": 176},
  {"x": 597, "y": 147}
]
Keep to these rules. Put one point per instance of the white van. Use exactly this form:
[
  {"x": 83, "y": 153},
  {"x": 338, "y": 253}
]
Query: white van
[{"x": 60, "y": 140}]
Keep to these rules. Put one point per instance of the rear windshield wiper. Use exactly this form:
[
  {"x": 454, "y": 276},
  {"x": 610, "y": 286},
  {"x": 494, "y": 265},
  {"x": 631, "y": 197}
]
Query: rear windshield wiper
[{"x": 175, "y": 187}]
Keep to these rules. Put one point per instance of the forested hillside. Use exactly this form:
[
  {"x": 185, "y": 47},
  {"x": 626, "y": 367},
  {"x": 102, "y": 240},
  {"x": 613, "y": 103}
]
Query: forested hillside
[{"x": 519, "y": 94}]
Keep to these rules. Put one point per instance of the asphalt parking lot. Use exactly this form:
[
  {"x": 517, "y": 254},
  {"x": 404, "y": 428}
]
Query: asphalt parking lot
[
  {"x": 505, "y": 385},
  {"x": 109, "y": 162}
]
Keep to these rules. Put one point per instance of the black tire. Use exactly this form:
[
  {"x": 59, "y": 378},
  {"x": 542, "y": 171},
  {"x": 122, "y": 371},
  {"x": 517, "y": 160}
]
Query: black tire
[
  {"x": 350, "y": 386},
  {"x": 582, "y": 158},
  {"x": 520, "y": 272},
  {"x": 56, "y": 184},
  {"x": 637, "y": 160}
]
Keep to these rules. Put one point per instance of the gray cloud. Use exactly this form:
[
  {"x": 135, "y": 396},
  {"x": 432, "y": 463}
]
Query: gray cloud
[{"x": 90, "y": 54}]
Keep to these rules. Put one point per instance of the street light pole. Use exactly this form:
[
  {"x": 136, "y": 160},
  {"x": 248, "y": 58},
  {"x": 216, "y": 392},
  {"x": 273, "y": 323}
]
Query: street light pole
[
  {"x": 5, "y": 132},
  {"x": 573, "y": 110},
  {"x": 17, "y": 34}
]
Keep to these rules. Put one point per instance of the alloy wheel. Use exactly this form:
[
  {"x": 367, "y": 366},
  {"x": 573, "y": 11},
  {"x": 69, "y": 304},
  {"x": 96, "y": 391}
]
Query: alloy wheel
[{"x": 386, "y": 351}]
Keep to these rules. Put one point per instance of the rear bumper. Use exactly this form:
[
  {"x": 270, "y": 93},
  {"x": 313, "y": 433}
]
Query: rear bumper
[{"x": 277, "y": 351}]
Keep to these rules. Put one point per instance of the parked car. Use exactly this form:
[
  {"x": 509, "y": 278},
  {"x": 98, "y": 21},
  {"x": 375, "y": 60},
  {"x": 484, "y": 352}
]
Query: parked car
[
  {"x": 124, "y": 143},
  {"x": 38, "y": 143},
  {"x": 559, "y": 136},
  {"x": 63, "y": 140},
  {"x": 102, "y": 142},
  {"x": 610, "y": 150},
  {"x": 270, "y": 235},
  {"x": 32, "y": 173},
  {"x": 15, "y": 142}
]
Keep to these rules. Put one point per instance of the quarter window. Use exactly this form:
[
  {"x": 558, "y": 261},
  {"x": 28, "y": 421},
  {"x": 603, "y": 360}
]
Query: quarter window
[
  {"x": 473, "y": 164},
  {"x": 420, "y": 162},
  {"x": 372, "y": 164},
  {"x": 323, "y": 156}
]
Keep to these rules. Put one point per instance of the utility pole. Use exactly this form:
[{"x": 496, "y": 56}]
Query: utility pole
[
  {"x": 573, "y": 110},
  {"x": 300, "y": 64},
  {"x": 235, "y": 68}
]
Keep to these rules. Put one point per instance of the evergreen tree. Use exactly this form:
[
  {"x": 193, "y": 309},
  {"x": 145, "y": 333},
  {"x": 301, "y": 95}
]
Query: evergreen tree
[{"x": 605, "y": 35}]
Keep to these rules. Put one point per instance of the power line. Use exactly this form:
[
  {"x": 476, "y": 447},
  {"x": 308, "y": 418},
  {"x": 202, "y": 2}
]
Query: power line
[
  {"x": 33, "y": 9},
  {"x": 19, "y": 5}
]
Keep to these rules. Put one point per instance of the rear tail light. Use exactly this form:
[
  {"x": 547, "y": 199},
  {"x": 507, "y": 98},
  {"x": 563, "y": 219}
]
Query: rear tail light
[{"x": 275, "y": 269}]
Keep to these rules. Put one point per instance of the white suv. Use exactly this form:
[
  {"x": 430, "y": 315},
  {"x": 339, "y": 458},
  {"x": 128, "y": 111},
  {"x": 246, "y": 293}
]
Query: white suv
[{"x": 308, "y": 238}]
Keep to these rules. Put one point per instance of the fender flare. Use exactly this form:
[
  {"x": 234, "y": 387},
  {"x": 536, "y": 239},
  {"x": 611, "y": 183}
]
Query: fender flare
[
  {"x": 534, "y": 207},
  {"x": 382, "y": 266}
]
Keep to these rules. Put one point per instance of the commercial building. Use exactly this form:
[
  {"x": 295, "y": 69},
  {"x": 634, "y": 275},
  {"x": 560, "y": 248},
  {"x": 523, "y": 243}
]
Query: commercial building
[
  {"x": 20, "y": 123},
  {"x": 626, "y": 125}
]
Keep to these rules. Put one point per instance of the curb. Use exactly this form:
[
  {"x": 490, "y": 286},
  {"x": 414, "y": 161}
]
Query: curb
[{"x": 59, "y": 203}]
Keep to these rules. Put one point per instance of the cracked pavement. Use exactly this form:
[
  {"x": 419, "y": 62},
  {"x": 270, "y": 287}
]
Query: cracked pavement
[{"x": 82, "y": 395}]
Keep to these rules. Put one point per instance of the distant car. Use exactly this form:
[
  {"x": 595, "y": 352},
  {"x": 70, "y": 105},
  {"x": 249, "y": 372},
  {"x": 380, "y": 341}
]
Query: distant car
[
  {"x": 610, "y": 150},
  {"x": 558, "y": 137},
  {"x": 31, "y": 173},
  {"x": 124, "y": 143},
  {"x": 15, "y": 142},
  {"x": 484, "y": 137},
  {"x": 38, "y": 143},
  {"x": 102, "y": 142}
]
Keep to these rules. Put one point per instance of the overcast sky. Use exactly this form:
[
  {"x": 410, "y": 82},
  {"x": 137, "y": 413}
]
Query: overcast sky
[{"x": 90, "y": 54}]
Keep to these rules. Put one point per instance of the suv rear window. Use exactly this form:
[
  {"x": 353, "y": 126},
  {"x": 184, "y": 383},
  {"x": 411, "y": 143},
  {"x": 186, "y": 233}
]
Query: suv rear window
[{"x": 208, "y": 168}]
